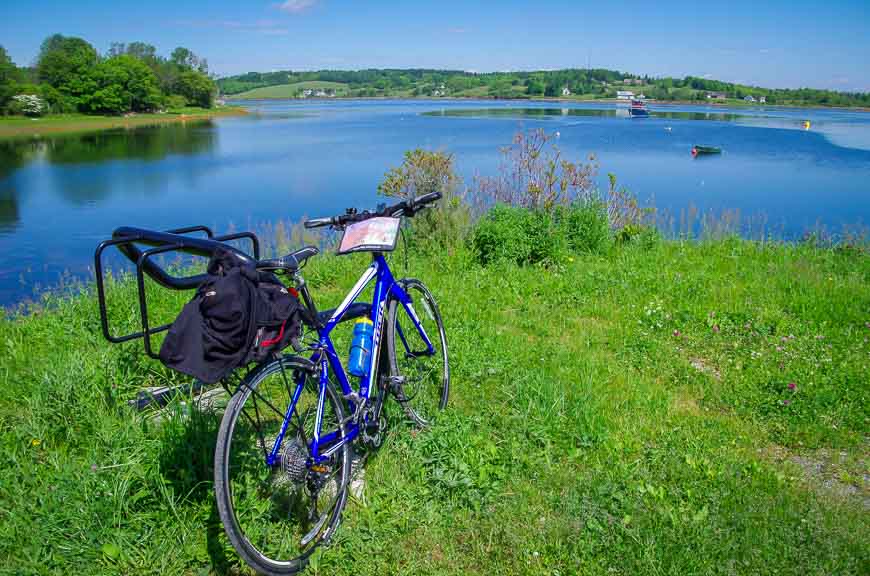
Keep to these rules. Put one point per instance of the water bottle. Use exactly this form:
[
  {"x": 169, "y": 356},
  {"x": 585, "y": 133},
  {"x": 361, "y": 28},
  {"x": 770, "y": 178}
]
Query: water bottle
[{"x": 361, "y": 348}]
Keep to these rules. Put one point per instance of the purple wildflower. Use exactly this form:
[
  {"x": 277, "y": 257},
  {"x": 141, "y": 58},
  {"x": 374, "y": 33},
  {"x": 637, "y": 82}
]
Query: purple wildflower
[
  {"x": 677, "y": 334},
  {"x": 716, "y": 328},
  {"x": 779, "y": 348},
  {"x": 93, "y": 467},
  {"x": 786, "y": 402},
  {"x": 792, "y": 386}
]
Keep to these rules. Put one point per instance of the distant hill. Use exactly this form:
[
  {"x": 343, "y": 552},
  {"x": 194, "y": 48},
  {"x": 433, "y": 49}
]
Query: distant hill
[
  {"x": 581, "y": 84},
  {"x": 295, "y": 90}
]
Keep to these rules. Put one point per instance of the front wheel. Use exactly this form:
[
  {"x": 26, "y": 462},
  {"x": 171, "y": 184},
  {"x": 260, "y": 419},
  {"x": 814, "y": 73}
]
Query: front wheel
[
  {"x": 420, "y": 374},
  {"x": 275, "y": 516}
]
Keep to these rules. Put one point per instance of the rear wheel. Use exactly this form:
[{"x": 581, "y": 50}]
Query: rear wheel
[
  {"x": 420, "y": 377},
  {"x": 275, "y": 516}
]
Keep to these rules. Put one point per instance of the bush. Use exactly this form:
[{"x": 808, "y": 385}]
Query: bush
[
  {"x": 444, "y": 225},
  {"x": 28, "y": 105},
  {"x": 586, "y": 226},
  {"x": 174, "y": 102},
  {"x": 520, "y": 235}
]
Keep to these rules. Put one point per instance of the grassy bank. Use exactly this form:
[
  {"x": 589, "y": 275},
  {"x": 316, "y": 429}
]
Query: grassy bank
[
  {"x": 18, "y": 126},
  {"x": 661, "y": 408}
]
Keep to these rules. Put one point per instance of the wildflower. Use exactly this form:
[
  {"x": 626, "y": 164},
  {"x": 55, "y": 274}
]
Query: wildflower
[
  {"x": 786, "y": 402},
  {"x": 779, "y": 348},
  {"x": 677, "y": 334},
  {"x": 93, "y": 467},
  {"x": 820, "y": 337},
  {"x": 35, "y": 442},
  {"x": 783, "y": 339},
  {"x": 716, "y": 328},
  {"x": 792, "y": 386}
]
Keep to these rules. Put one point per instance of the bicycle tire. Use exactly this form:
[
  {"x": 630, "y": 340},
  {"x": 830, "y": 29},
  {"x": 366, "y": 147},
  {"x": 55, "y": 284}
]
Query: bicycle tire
[
  {"x": 241, "y": 542},
  {"x": 420, "y": 410}
]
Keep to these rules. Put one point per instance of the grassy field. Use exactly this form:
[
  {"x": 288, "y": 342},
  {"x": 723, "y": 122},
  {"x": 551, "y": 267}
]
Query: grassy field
[
  {"x": 18, "y": 126},
  {"x": 289, "y": 90},
  {"x": 675, "y": 408}
]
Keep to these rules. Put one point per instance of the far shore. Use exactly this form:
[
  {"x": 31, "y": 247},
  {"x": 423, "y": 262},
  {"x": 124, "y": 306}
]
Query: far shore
[
  {"x": 562, "y": 100},
  {"x": 20, "y": 127}
]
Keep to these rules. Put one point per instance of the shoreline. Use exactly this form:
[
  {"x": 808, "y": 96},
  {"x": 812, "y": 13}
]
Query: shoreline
[
  {"x": 20, "y": 127},
  {"x": 557, "y": 99}
]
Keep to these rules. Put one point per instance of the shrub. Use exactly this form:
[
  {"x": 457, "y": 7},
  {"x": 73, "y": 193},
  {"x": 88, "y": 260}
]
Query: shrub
[
  {"x": 586, "y": 226},
  {"x": 519, "y": 235},
  {"x": 174, "y": 102},
  {"x": 534, "y": 174},
  {"x": 28, "y": 104},
  {"x": 444, "y": 225}
]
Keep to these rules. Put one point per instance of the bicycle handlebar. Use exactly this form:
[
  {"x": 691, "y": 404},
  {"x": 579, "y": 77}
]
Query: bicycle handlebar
[{"x": 407, "y": 208}]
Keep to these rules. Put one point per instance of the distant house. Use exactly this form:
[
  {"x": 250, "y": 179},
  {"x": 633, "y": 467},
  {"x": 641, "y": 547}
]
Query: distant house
[
  {"x": 716, "y": 96},
  {"x": 637, "y": 81},
  {"x": 307, "y": 93},
  {"x": 565, "y": 91},
  {"x": 749, "y": 98},
  {"x": 762, "y": 99},
  {"x": 624, "y": 94},
  {"x": 627, "y": 81}
]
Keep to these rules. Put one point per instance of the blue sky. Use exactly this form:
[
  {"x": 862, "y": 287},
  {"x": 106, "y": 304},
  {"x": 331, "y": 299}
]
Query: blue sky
[{"x": 769, "y": 43}]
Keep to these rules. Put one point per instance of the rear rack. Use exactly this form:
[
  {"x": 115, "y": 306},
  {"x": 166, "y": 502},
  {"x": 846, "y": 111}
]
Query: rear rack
[{"x": 127, "y": 239}]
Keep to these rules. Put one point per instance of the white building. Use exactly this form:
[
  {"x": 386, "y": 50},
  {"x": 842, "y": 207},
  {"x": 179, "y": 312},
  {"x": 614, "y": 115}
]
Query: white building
[
  {"x": 565, "y": 91},
  {"x": 624, "y": 94}
]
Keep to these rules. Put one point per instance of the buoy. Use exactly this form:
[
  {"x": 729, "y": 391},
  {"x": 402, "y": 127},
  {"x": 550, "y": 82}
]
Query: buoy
[{"x": 806, "y": 124}]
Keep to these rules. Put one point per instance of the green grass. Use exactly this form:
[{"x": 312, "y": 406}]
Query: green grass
[
  {"x": 19, "y": 126},
  {"x": 626, "y": 413},
  {"x": 289, "y": 90}
]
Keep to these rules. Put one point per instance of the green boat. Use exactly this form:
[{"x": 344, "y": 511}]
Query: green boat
[{"x": 698, "y": 150}]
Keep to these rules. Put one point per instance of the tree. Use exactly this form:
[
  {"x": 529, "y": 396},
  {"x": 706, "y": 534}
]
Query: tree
[
  {"x": 197, "y": 88},
  {"x": 124, "y": 84},
  {"x": 187, "y": 60},
  {"x": 535, "y": 88},
  {"x": 67, "y": 64},
  {"x": 9, "y": 78}
]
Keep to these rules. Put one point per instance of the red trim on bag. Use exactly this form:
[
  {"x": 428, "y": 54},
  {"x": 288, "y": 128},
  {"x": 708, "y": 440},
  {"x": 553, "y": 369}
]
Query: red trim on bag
[
  {"x": 277, "y": 338},
  {"x": 293, "y": 291}
]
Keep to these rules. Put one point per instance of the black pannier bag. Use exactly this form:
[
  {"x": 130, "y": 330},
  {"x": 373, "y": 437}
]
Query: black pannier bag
[{"x": 238, "y": 315}]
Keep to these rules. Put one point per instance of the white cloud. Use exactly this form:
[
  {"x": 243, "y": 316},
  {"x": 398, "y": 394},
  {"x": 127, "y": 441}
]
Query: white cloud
[{"x": 296, "y": 6}]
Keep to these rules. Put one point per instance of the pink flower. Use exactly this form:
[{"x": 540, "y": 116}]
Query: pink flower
[
  {"x": 677, "y": 334},
  {"x": 716, "y": 328},
  {"x": 93, "y": 467},
  {"x": 792, "y": 386},
  {"x": 786, "y": 402}
]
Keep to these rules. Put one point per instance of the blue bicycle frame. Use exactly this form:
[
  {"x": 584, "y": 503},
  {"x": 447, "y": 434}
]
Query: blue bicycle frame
[{"x": 322, "y": 446}]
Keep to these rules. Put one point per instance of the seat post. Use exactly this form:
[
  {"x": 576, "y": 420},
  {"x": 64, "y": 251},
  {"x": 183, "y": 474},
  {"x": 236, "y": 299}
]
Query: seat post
[{"x": 302, "y": 287}]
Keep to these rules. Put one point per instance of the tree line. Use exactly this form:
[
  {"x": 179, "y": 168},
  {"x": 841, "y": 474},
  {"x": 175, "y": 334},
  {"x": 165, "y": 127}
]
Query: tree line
[
  {"x": 69, "y": 75},
  {"x": 589, "y": 83}
]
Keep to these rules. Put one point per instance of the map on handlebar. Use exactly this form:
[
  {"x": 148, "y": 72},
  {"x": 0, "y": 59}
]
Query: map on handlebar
[{"x": 372, "y": 235}]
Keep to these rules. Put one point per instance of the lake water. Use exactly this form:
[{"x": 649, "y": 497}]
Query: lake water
[{"x": 59, "y": 196}]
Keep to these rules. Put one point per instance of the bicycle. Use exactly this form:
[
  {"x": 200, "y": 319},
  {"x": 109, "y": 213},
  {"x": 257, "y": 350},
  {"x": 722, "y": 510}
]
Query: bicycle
[{"x": 283, "y": 453}]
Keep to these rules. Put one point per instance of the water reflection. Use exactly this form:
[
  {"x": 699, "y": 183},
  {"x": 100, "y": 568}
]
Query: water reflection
[
  {"x": 144, "y": 143},
  {"x": 76, "y": 183},
  {"x": 618, "y": 112},
  {"x": 13, "y": 155}
]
